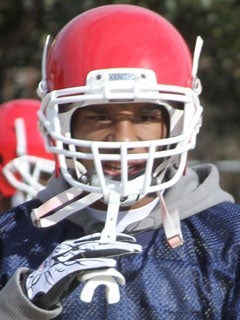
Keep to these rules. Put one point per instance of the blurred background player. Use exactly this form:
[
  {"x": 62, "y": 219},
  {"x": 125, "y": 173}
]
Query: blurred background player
[{"x": 25, "y": 166}]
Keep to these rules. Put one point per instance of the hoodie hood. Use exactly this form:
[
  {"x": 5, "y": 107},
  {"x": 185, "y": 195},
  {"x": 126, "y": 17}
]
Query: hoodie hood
[{"x": 196, "y": 191}]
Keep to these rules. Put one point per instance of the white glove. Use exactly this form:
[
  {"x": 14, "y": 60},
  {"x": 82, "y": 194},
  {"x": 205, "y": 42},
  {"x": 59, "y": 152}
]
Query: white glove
[{"x": 62, "y": 271}]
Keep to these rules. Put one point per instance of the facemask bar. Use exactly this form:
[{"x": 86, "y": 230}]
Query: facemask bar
[
  {"x": 196, "y": 56},
  {"x": 20, "y": 137},
  {"x": 24, "y": 173},
  {"x": 42, "y": 87}
]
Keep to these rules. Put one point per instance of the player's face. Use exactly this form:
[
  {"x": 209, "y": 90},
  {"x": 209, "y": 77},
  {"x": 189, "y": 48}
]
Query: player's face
[{"x": 120, "y": 123}]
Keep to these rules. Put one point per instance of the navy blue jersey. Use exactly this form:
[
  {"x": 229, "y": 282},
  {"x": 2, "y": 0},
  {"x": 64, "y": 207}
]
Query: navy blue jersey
[{"x": 199, "y": 280}]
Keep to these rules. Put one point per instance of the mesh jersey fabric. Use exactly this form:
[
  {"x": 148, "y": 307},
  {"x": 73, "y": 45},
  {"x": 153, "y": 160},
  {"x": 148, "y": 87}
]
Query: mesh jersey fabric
[{"x": 199, "y": 280}]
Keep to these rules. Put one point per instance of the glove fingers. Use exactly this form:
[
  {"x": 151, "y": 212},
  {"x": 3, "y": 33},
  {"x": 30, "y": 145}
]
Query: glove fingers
[
  {"x": 96, "y": 249},
  {"x": 111, "y": 250}
]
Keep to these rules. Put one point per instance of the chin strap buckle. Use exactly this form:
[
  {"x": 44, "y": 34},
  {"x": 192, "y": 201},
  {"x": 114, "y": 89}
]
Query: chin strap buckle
[
  {"x": 171, "y": 225},
  {"x": 175, "y": 241},
  {"x": 62, "y": 206},
  {"x": 110, "y": 278}
]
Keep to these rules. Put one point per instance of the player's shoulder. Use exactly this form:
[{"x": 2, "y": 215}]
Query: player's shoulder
[
  {"x": 227, "y": 208},
  {"x": 216, "y": 230},
  {"x": 226, "y": 214}
]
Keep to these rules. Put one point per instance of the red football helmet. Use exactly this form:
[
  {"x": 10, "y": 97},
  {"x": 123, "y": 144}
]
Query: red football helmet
[
  {"x": 23, "y": 158},
  {"x": 112, "y": 54},
  {"x": 118, "y": 36}
]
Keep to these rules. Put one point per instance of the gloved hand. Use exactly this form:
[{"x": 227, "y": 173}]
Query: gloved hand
[{"x": 62, "y": 271}]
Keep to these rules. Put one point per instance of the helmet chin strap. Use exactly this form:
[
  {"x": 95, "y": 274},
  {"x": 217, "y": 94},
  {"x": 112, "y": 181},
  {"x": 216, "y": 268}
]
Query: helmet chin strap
[
  {"x": 72, "y": 200},
  {"x": 62, "y": 206},
  {"x": 171, "y": 224},
  {"x": 67, "y": 203}
]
